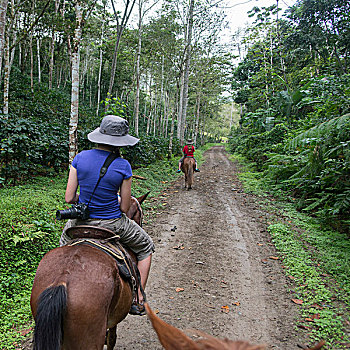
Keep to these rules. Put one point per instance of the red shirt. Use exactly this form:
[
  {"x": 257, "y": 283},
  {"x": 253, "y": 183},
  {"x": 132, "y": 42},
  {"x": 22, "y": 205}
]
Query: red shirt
[{"x": 189, "y": 150}]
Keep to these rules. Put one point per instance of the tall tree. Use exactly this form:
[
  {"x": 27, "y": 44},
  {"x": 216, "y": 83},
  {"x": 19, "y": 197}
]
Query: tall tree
[
  {"x": 142, "y": 11},
  {"x": 74, "y": 114},
  {"x": 121, "y": 24},
  {"x": 3, "y": 10},
  {"x": 52, "y": 48},
  {"x": 186, "y": 73},
  {"x": 101, "y": 58}
]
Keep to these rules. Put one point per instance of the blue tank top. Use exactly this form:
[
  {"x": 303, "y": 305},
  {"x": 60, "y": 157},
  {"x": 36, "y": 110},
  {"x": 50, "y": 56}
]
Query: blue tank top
[{"x": 104, "y": 203}]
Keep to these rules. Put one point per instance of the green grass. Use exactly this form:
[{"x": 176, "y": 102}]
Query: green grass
[
  {"x": 28, "y": 229},
  {"x": 316, "y": 259}
]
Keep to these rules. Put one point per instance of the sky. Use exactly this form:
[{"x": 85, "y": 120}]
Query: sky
[{"x": 237, "y": 16}]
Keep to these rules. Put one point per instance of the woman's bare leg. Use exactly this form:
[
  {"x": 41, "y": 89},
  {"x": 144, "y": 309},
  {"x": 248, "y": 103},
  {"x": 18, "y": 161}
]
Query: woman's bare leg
[{"x": 144, "y": 267}]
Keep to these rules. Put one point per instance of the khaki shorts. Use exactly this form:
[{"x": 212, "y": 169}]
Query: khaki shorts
[{"x": 131, "y": 234}]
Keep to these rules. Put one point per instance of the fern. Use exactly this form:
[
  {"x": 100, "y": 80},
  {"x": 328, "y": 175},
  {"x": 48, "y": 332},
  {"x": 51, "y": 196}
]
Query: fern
[{"x": 315, "y": 133}]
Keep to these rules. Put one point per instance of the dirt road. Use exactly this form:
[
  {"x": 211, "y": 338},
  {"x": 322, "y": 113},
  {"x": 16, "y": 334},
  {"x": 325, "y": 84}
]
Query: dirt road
[{"x": 212, "y": 243}]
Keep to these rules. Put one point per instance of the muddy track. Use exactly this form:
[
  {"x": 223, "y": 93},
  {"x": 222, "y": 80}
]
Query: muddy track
[{"x": 212, "y": 243}]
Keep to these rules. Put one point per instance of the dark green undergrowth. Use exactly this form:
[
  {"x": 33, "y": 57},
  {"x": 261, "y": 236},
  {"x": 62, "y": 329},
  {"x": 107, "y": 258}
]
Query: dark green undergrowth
[
  {"x": 34, "y": 135},
  {"x": 315, "y": 257},
  {"x": 28, "y": 229}
]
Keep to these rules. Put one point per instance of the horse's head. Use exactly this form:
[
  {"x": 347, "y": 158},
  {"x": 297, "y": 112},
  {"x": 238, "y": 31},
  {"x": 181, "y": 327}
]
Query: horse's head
[
  {"x": 135, "y": 211},
  {"x": 172, "y": 338}
]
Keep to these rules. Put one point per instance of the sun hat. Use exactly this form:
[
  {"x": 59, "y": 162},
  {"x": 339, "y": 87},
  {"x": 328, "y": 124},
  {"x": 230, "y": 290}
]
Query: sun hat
[
  {"x": 189, "y": 141},
  {"x": 113, "y": 131}
]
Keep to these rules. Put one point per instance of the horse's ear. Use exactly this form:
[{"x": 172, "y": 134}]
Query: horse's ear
[
  {"x": 142, "y": 198},
  {"x": 170, "y": 337}
]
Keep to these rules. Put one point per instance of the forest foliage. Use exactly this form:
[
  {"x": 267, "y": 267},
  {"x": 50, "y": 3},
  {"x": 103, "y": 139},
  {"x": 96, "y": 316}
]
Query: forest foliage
[
  {"x": 294, "y": 89},
  {"x": 136, "y": 70}
]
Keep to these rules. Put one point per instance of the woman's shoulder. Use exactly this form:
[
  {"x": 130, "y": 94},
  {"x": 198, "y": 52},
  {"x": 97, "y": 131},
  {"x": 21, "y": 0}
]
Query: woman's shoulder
[
  {"x": 122, "y": 166},
  {"x": 85, "y": 153},
  {"x": 123, "y": 161}
]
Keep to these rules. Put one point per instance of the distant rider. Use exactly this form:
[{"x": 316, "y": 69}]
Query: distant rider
[{"x": 188, "y": 151}]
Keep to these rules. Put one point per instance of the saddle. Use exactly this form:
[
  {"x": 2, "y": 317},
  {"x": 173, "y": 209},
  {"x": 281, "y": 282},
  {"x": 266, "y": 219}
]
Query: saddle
[{"x": 107, "y": 241}]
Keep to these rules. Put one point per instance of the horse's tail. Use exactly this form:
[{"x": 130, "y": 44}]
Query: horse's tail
[{"x": 48, "y": 332}]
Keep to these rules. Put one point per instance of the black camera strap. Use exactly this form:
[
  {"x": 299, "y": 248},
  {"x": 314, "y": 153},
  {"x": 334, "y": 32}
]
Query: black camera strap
[{"x": 103, "y": 171}]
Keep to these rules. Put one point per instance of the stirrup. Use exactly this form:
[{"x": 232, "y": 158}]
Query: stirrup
[{"x": 137, "y": 309}]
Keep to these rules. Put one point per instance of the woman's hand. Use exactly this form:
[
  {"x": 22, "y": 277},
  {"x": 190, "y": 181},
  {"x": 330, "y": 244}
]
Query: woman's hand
[{"x": 125, "y": 195}]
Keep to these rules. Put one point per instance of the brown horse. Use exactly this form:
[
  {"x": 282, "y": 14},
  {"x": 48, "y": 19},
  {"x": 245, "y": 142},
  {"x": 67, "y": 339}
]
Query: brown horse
[
  {"x": 188, "y": 166},
  {"x": 78, "y": 294},
  {"x": 172, "y": 338}
]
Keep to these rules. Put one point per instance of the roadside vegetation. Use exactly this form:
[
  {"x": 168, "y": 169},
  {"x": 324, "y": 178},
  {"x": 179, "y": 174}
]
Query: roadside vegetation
[
  {"x": 315, "y": 259},
  {"x": 294, "y": 97}
]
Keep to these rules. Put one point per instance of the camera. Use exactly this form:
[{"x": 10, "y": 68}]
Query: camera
[{"x": 77, "y": 211}]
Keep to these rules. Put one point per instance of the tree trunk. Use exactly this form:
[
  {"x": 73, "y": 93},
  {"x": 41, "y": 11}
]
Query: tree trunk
[
  {"x": 161, "y": 97},
  {"x": 114, "y": 66},
  {"x": 137, "y": 97},
  {"x": 197, "y": 118},
  {"x": 59, "y": 76},
  {"x": 38, "y": 57},
  {"x": 171, "y": 136},
  {"x": 283, "y": 66},
  {"x": 100, "y": 66},
  {"x": 187, "y": 69},
  {"x": 266, "y": 80},
  {"x": 69, "y": 50},
  {"x": 52, "y": 48},
  {"x": 52, "y": 53},
  {"x": 6, "y": 75},
  {"x": 31, "y": 62},
  {"x": 31, "y": 53},
  {"x": 165, "y": 119},
  {"x": 3, "y": 10},
  {"x": 20, "y": 54},
  {"x": 84, "y": 73},
  {"x": 151, "y": 106},
  {"x": 180, "y": 107},
  {"x": 9, "y": 56},
  {"x": 73, "y": 122},
  {"x": 120, "y": 28}
]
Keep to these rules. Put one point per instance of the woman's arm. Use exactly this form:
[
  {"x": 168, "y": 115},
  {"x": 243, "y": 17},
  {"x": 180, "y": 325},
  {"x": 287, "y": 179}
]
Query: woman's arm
[
  {"x": 125, "y": 195},
  {"x": 72, "y": 186}
]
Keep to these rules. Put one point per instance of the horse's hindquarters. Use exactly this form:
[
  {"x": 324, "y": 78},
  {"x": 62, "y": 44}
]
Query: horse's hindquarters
[
  {"x": 189, "y": 165},
  {"x": 96, "y": 295}
]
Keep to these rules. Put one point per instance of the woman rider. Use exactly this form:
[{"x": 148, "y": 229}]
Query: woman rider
[{"x": 104, "y": 208}]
